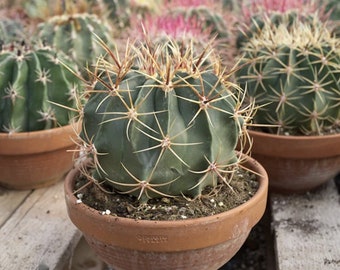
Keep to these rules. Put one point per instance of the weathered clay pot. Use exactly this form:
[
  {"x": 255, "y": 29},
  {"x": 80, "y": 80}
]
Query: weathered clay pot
[
  {"x": 296, "y": 164},
  {"x": 36, "y": 159},
  {"x": 202, "y": 243}
]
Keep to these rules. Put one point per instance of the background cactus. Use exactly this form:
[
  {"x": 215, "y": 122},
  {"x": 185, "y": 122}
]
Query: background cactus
[
  {"x": 74, "y": 35},
  {"x": 208, "y": 13},
  {"x": 32, "y": 78},
  {"x": 293, "y": 75},
  {"x": 256, "y": 13},
  {"x": 10, "y": 30},
  {"x": 157, "y": 125}
]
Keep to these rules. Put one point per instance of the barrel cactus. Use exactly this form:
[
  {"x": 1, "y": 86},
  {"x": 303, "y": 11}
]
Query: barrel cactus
[
  {"x": 293, "y": 76},
  {"x": 158, "y": 123},
  {"x": 36, "y": 89},
  {"x": 75, "y": 35},
  {"x": 256, "y": 14}
]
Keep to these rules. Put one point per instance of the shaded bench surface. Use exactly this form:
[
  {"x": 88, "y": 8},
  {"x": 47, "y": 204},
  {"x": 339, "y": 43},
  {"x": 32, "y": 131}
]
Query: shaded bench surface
[
  {"x": 307, "y": 229},
  {"x": 35, "y": 231}
]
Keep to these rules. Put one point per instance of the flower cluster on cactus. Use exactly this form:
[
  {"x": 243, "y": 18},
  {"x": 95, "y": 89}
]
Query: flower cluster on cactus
[
  {"x": 292, "y": 74},
  {"x": 33, "y": 81},
  {"x": 160, "y": 123}
]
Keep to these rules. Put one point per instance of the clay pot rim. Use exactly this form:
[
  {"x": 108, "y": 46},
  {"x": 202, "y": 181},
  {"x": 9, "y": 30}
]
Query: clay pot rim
[
  {"x": 180, "y": 234},
  {"x": 263, "y": 184},
  {"x": 38, "y": 141},
  {"x": 294, "y": 137},
  {"x": 36, "y": 133},
  {"x": 295, "y": 147}
]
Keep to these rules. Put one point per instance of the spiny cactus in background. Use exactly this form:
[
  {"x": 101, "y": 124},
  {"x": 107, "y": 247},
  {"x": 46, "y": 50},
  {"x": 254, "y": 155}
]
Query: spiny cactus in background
[
  {"x": 142, "y": 8},
  {"x": 233, "y": 5},
  {"x": 208, "y": 13},
  {"x": 33, "y": 81},
  {"x": 11, "y": 30},
  {"x": 256, "y": 13},
  {"x": 41, "y": 10},
  {"x": 165, "y": 28},
  {"x": 158, "y": 123},
  {"x": 117, "y": 11},
  {"x": 332, "y": 7},
  {"x": 76, "y": 35},
  {"x": 293, "y": 74}
]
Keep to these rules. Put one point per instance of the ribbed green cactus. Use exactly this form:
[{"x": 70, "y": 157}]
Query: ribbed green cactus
[
  {"x": 74, "y": 35},
  {"x": 294, "y": 76},
  {"x": 158, "y": 123},
  {"x": 256, "y": 14},
  {"x": 274, "y": 19},
  {"x": 33, "y": 81}
]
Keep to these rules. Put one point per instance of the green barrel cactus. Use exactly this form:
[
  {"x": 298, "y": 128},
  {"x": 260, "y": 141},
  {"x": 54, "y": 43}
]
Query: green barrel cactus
[
  {"x": 36, "y": 89},
  {"x": 294, "y": 77},
  {"x": 158, "y": 123},
  {"x": 77, "y": 36},
  {"x": 258, "y": 13}
]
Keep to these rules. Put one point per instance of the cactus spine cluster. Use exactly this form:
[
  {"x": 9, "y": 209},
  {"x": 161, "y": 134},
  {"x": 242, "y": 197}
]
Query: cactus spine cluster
[
  {"x": 294, "y": 76},
  {"x": 158, "y": 123},
  {"x": 33, "y": 81}
]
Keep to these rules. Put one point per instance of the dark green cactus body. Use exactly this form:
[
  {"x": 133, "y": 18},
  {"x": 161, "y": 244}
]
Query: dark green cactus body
[
  {"x": 74, "y": 35},
  {"x": 294, "y": 76},
  {"x": 31, "y": 79},
  {"x": 157, "y": 135}
]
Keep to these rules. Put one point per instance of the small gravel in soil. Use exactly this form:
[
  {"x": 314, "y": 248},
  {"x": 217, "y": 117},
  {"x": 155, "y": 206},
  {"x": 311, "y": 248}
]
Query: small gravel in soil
[{"x": 213, "y": 200}]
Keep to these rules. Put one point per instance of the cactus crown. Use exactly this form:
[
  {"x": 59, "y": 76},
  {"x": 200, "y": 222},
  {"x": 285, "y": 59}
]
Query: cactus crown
[
  {"x": 160, "y": 123},
  {"x": 33, "y": 81},
  {"x": 293, "y": 75}
]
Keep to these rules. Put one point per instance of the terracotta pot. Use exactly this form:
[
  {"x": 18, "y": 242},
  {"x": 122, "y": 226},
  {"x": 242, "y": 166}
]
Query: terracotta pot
[
  {"x": 296, "y": 164},
  {"x": 36, "y": 159},
  {"x": 202, "y": 243}
]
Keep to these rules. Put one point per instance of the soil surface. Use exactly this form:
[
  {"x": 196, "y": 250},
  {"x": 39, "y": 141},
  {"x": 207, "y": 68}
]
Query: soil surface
[{"x": 213, "y": 200}]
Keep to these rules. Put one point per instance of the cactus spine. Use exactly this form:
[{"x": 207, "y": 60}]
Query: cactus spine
[
  {"x": 32, "y": 80},
  {"x": 293, "y": 75},
  {"x": 157, "y": 125}
]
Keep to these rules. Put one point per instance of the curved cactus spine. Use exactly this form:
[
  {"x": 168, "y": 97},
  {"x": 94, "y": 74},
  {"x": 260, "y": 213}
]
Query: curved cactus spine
[
  {"x": 293, "y": 75},
  {"x": 157, "y": 125},
  {"x": 33, "y": 81}
]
